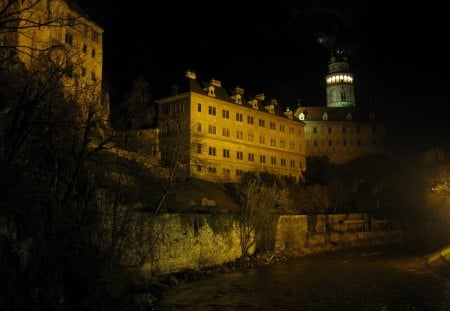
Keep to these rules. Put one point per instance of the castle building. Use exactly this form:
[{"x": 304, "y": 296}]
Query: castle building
[
  {"x": 218, "y": 135},
  {"x": 39, "y": 32},
  {"x": 340, "y": 131}
]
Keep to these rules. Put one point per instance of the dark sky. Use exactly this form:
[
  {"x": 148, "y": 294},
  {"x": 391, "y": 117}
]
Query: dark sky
[{"x": 281, "y": 48}]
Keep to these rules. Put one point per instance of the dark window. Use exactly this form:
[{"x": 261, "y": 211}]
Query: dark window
[{"x": 68, "y": 39}]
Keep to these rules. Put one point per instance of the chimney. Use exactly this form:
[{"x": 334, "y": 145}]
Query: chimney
[
  {"x": 238, "y": 90},
  {"x": 260, "y": 97},
  {"x": 215, "y": 82}
]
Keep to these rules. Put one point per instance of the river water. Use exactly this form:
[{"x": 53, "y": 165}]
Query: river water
[{"x": 358, "y": 279}]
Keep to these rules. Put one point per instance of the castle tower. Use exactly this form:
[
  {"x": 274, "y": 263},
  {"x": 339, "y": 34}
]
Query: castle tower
[{"x": 339, "y": 81}]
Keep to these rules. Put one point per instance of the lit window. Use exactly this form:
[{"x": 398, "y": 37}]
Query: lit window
[
  {"x": 211, "y": 129},
  {"x": 261, "y": 140},
  {"x": 239, "y": 135},
  {"x": 273, "y": 142},
  {"x": 273, "y": 160},
  {"x": 251, "y": 136},
  {"x": 262, "y": 159},
  {"x": 226, "y": 132},
  {"x": 225, "y": 114},
  {"x": 212, "y": 110},
  {"x": 212, "y": 151}
]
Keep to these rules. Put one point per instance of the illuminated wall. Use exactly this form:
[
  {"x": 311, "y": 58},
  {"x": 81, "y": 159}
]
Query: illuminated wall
[
  {"x": 342, "y": 141},
  {"x": 229, "y": 136},
  {"x": 60, "y": 31}
]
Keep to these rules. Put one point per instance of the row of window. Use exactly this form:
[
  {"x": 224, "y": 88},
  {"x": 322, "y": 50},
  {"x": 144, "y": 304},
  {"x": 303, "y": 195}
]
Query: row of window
[
  {"x": 344, "y": 142},
  {"x": 68, "y": 39},
  {"x": 226, "y": 132},
  {"x": 69, "y": 71},
  {"x": 250, "y": 119},
  {"x": 344, "y": 129},
  {"x": 212, "y": 151},
  {"x": 94, "y": 34}
]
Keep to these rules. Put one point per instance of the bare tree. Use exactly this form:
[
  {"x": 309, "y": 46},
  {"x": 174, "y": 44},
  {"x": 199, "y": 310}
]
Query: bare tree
[{"x": 259, "y": 204}]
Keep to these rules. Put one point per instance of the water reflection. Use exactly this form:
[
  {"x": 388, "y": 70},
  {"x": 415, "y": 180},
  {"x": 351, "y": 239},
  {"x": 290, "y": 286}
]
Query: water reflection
[{"x": 375, "y": 279}]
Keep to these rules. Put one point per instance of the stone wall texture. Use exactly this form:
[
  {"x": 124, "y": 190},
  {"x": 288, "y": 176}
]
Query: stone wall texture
[{"x": 176, "y": 242}]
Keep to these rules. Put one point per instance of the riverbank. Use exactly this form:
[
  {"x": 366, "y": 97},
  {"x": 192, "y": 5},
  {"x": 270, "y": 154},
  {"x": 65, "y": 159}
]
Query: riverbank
[
  {"x": 151, "y": 292},
  {"x": 393, "y": 277}
]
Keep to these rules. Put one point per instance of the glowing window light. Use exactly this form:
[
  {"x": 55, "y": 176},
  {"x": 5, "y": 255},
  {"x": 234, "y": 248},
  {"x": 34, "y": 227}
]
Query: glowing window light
[
  {"x": 345, "y": 78},
  {"x": 341, "y": 78},
  {"x": 333, "y": 79}
]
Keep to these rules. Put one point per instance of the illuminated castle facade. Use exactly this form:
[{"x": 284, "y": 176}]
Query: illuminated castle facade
[
  {"x": 38, "y": 33},
  {"x": 340, "y": 131},
  {"x": 218, "y": 135}
]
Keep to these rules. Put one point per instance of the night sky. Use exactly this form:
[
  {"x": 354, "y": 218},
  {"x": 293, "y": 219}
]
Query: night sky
[{"x": 396, "y": 53}]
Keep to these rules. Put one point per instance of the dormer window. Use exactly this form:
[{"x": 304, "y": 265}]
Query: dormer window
[
  {"x": 348, "y": 116},
  {"x": 253, "y": 103},
  {"x": 238, "y": 99},
  {"x": 288, "y": 113},
  {"x": 270, "y": 108},
  {"x": 325, "y": 116},
  {"x": 301, "y": 116},
  {"x": 211, "y": 91}
]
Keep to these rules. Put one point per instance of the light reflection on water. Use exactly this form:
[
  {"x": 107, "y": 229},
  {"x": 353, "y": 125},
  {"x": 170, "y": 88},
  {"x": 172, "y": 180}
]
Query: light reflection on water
[{"x": 381, "y": 279}]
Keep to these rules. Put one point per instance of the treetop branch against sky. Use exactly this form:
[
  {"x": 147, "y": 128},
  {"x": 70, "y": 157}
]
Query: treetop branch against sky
[{"x": 396, "y": 51}]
